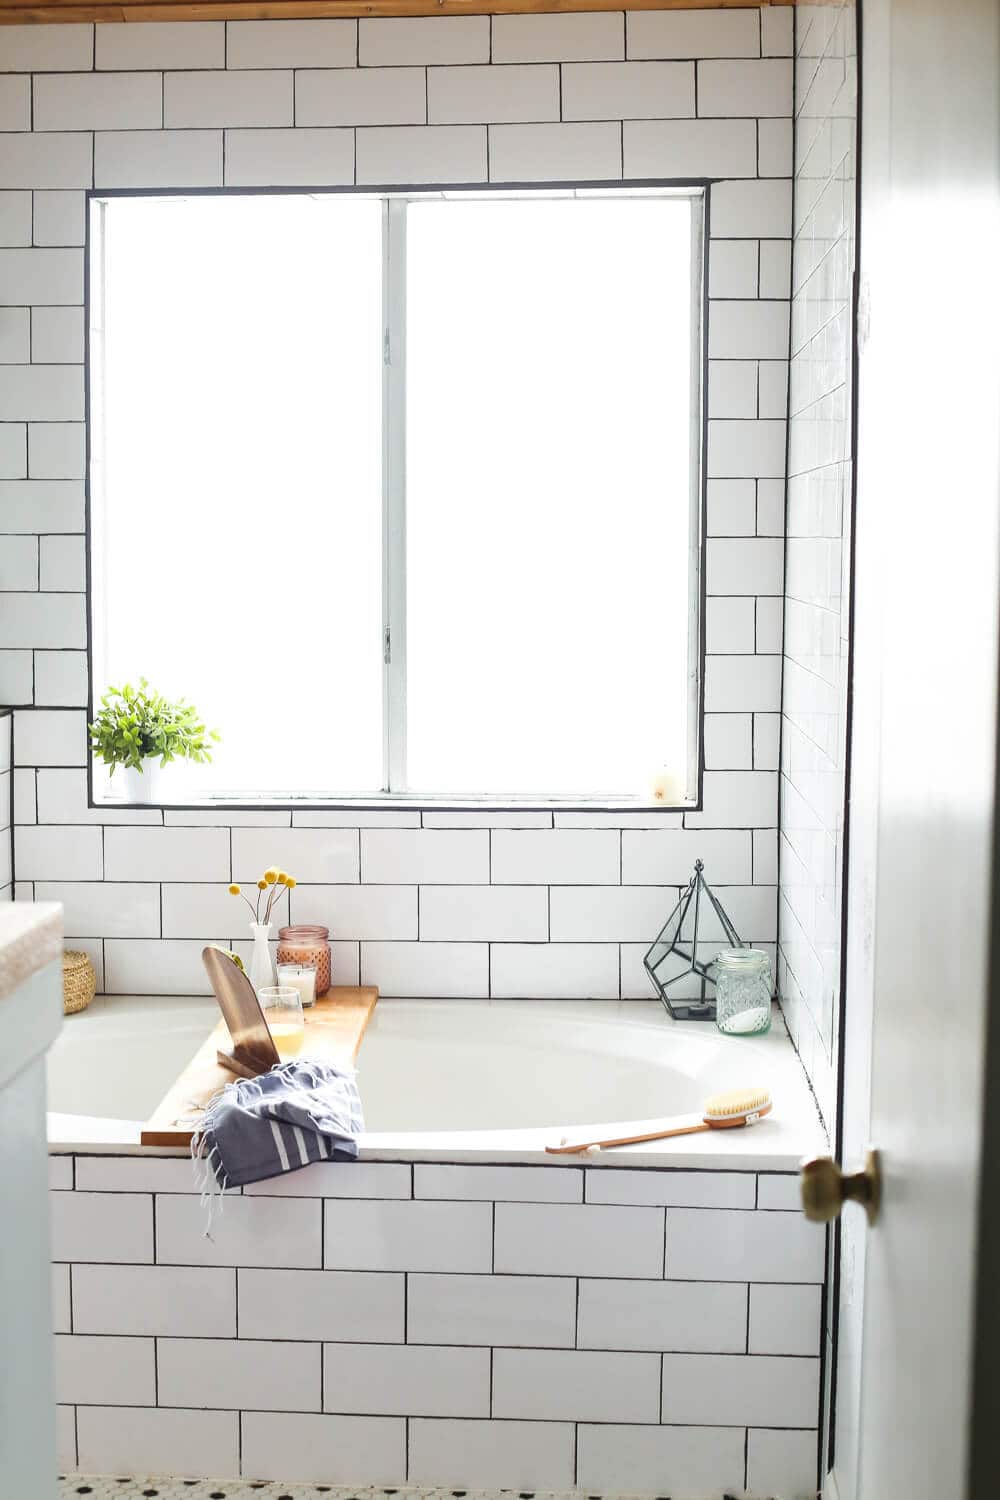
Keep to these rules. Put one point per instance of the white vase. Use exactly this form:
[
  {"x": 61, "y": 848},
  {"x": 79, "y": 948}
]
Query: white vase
[
  {"x": 133, "y": 785},
  {"x": 262, "y": 971}
]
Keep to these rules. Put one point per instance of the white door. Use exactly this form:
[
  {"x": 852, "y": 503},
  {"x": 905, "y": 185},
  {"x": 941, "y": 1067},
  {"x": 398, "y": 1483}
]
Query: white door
[{"x": 921, "y": 882}]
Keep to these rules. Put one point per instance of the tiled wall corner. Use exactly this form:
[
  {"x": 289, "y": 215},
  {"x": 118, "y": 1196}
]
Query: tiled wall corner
[
  {"x": 6, "y": 809},
  {"x": 817, "y": 578},
  {"x": 636, "y": 1330},
  {"x": 451, "y": 903}
]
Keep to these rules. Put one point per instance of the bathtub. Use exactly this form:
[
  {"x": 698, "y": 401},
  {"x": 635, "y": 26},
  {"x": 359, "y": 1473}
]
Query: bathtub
[
  {"x": 457, "y": 1310},
  {"x": 476, "y": 1079}
]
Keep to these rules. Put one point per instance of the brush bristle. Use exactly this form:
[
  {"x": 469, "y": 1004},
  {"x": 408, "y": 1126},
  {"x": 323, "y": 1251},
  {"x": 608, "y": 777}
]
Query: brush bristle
[{"x": 737, "y": 1102}]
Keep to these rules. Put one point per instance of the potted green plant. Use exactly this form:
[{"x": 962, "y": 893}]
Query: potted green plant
[{"x": 139, "y": 732}]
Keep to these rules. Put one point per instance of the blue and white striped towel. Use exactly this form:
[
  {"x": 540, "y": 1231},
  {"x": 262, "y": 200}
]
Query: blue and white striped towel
[{"x": 299, "y": 1112}]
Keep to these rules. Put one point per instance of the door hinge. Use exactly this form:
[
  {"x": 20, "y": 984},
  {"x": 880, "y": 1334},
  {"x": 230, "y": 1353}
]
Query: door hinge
[
  {"x": 386, "y": 349},
  {"x": 387, "y": 646}
]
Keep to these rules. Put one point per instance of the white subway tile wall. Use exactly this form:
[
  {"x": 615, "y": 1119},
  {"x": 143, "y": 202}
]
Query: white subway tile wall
[
  {"x": 449, "y": 903},
  {"x": 472, "y": 1326},
  {"x": 817, "y": 608}
]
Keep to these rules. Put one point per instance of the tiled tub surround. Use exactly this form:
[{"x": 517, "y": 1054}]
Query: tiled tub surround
[
  {"x": 385, "y": 1323},
  {"x": 817, "y": 582},
  {"x": 470, "y": 903},
  {"x": 6, "y": 808}
]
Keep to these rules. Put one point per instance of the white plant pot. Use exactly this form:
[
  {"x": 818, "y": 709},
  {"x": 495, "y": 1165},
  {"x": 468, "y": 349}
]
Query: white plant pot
[{"x": 132, "y": 785}]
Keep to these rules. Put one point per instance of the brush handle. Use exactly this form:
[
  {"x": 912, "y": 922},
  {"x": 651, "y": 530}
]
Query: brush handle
[{"x": 691, "y": 1125}]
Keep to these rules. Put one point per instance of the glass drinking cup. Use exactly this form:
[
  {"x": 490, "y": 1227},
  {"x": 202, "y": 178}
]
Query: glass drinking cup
[{"x": 282, "y": 1007}]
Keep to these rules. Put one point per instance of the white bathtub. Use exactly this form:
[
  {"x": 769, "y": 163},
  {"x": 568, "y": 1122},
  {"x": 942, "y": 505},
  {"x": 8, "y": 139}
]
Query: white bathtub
[{"x": 469, "y": 1080}]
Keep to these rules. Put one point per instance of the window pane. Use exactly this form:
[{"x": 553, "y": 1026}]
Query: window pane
[
  {"x": 549, "y": 472},
  {"x": 237, "y": 477}
]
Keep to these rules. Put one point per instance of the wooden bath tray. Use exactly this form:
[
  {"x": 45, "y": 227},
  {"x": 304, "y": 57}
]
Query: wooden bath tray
[{"x": 335, "y": 1026}]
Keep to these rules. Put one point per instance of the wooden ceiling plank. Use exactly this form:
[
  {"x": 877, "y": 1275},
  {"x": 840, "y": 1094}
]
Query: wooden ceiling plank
[{"x": 54, "y": 12}]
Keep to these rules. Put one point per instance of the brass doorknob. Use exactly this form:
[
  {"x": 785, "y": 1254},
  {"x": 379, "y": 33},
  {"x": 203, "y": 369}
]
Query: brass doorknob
[{"x": 825, "y": 1188}]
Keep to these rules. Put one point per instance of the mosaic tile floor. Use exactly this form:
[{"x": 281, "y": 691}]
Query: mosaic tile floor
[{"x": 105, "y": 1487}]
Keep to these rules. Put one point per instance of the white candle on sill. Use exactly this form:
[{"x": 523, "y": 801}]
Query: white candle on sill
[
  {"x": 301, "y": 977},
  {"x": 668, "y": 786}
]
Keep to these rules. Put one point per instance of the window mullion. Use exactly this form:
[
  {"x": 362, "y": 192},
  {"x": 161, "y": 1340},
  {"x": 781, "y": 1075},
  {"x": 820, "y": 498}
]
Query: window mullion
[{"x": 394, "y": 494}]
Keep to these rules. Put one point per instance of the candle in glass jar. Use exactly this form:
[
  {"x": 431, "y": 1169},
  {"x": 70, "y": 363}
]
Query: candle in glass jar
[{"x": 300, "y": 977}]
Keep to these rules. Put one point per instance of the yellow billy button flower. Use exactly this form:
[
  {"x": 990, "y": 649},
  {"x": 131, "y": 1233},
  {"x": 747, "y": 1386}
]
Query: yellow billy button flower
[
  {"x": 234, "y": 890},
  {"x": 282, "y": 878},
  {"x": 271, "y": 875},
  {"x": 262, "y": 885},
  {"x": 289, "y": 881}
]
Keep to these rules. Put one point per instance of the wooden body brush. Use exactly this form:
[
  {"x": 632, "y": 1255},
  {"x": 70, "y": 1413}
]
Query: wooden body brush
[{"x": 721, "y": 1112}]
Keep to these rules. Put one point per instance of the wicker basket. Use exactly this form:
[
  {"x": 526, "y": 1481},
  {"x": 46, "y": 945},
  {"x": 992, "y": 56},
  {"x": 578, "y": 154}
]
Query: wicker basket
[{"x": 79, "y": 981}]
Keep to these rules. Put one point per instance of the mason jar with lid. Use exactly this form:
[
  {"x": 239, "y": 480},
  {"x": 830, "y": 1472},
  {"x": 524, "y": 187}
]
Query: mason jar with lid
[
  {"x": 307, "y": 944},
  {"x": 743, "y": 991}
]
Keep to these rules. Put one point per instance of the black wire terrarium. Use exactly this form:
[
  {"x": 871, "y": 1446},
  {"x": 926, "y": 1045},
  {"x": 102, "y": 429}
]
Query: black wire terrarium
[{"x": 685, "y": 981}]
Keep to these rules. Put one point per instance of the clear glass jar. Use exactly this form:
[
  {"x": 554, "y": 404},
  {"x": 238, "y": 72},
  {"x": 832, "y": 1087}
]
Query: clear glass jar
[
  {"x": 307, "y": 945},
  {"x": 282, "y": 1007},
  {"x": 743, "y": 991}
]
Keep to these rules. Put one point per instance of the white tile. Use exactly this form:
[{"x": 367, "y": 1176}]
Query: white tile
[
  {"x": 661, "y": 1460},
  {"x": 345, "y": 1306},
  {"x": 659, "y": 1315},
  {"x": 492, "y": 1455},
  {"x": 771, "y": 500},
  {"x": 360, "y": 96},
  {"x": 312, "y": 855},
  {"x": 404, "y": 154},
  {"x": 633, "y": 90},
  {"x": 157, "y": 1441},
  {"x": 295, "y": 158},
  {"x": 555, "y": 857},
  {"x": 729, "y": 625},
  {"x": 25, "y": 810},
  {"x": 731, "y": 504},
  {"x": 62, "y": 564},
  {"x": 740, "y": 1390},
  {"x": 158, "y": 158},
  {"x": 435, "y": 970},
  {"x": 752, "y": 210},
  {"x": 147, "y": 966},
  {"x": 505, "y": 1184},
  {"x": 46, "y": 161},
  {"x": 88, "y": 101},
  {"x": 59, "y": 218},
  {"x": 668, "y": 858},
  {"x": 678, "y": 1189},
  {"x": 608, "y": 914},
  {"x": 774, "y": 148},
  {"x": 765, "y": 872},
  {"x": 432, "y": 39},
  {"x": 33, "y": 49},
  {"x": 654, "y": 816},
  {"x": 100, "y": 909},
  {"x": 492, "y": 95},
  {"x": 748, "y": 330},
  {"x": 61, "y": 678},
  {"x": 98, "y": 1227},
  {"x": 62, "y": 1317},
  {"x": 590, "y": 151},
  {"x": 56, "y": 338},
  {"x": 154, "y": 1300},
  {"x": 737, "y": 799},
  {"x": 58, "y": 853},
  {"x": 425, "y": 856},
  {"x": 47, "y": 276},
  {"x": 777, "y": 28},
  {"x": 363, "y": 911},
  {"x": 413, "y": 1236},
  {"x": 483, "y": 913},
  {"x": 578, "y": 1240},
  {"x": 724, "y": 1245},
  {"x": 782, "y": 1463},
  {"x": 526, "y": 1311},
  {"x": 92, "y": 1371},
  {"x": 744, "y": 565},
  {"x": 575, "y": 1385},
  {"x": 292, "y": 44},
  {"x": 732, "y": 392},
  {"x": 785, "y": 1319},
  {"x": 15, "y": 335},
  {"x": 14, "y": 465},
  {"x": 775, "y": 268},
  {"x": 766, "y": 739},
  {"x": 50, "y": 737},
  {"x": 690, "y": 148},
  {"x": 41, "y": 393},
  {"x": 15, "y": 218},
  {"x": 737, "y": 87},
  {"x": 773, "y": 392},
  {"x": 62, "y": 796},
  {"x": 222, "y": 817},
  {"x": 15, "y": 682},
  {"x": 19, "y": 563},
  {"x": 66, "y": 1438},
  {"x": 363, "y": 817},
  {"x": 339, "y": 1179},
  {"x": 779, "y": 1191},
  {"x": 733, "y": 683},
  {"x": 698, "y": 33},
  {"x": 15, "y": 103},
  {"x": 167, "y": 854},
  {"x": 198, "y": 100},
  {"x": 333, "y": 1450},
  {"x": 57, "y": 450},
  {"x": 272, "y": 1232},
  {"x": 159, "y": 44},
  {"x": 732, "y": 269},
  {"x": 554, "y": 971},
  {"x": 406, "y": 1380},
  {"x": 583, "y": 37},
  {"x": 217, "y": 1372}
]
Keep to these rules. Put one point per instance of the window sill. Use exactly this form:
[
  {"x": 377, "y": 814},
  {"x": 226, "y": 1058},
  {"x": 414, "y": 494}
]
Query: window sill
[{"x": 388, "y": 804}]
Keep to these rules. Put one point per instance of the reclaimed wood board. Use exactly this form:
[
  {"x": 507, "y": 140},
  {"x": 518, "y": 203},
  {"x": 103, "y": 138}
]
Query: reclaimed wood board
[{"x": 335, "y": 1026}]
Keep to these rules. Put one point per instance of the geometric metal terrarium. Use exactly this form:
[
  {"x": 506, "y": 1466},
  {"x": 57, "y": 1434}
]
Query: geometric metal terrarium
[{"x": 672, "y": 962}]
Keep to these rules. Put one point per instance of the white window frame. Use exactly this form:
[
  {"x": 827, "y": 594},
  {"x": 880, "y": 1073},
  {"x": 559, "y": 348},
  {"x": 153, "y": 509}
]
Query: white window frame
[{"x": 394, "y": 579}]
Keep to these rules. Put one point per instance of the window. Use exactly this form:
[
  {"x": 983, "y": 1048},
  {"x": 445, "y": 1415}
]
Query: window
[{"x": 402, "y": 491}]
